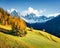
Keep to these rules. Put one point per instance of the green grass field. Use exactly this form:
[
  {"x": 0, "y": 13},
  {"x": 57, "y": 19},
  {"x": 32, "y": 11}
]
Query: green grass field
[{"x": 33, "y": 39}]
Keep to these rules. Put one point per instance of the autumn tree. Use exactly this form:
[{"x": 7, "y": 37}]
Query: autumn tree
[
  {"x": 10, "y": 19},
  {"x": 1, "y": 14},
  {"x": 22, "y": 27},
  {"x": 18, "y": 25},
  {"x": 0, "y": 17},
  {"x": 2, "y": 10}
]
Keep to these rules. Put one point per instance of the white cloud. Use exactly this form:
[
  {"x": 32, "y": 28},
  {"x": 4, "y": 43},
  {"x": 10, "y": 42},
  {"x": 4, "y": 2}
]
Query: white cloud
[
  {"x": 34, "y": 11},
  {"x": 55, "y": 14}
]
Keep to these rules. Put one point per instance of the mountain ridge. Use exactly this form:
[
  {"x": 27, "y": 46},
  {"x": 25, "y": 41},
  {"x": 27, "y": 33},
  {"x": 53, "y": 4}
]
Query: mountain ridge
[
  {"x": 51, "y": 26},
  {"x": 32, "y": 18}
]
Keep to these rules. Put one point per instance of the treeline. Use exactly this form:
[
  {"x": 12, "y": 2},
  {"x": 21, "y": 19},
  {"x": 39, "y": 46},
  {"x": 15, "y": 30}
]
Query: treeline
[{"x": 18, "y": 25}]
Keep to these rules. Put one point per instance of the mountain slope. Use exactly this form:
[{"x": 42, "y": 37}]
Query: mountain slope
[
  {"x": 32, "y": 18},
  {"x": 52, "y": 26},
  {"x": 33, "y": 39},
  {"x": 15, "y": 13}
]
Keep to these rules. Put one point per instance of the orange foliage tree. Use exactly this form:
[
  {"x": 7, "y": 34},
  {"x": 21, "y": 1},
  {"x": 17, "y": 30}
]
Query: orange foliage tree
[{"x": 18, "y": 24}]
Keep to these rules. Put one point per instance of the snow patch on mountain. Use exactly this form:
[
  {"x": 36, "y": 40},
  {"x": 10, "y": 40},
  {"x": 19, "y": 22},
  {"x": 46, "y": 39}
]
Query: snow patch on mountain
[
  {"x": 11, "y": 10},
  {"x": 32, "y": 18},
  {"x": 55, "y": 14},
  {"x": 32, "y": 15}
]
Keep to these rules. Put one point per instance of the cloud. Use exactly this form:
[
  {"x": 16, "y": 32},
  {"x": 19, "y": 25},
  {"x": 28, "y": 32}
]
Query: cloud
[
  {"x": 34, "y": 11},
  {"x": 55, "y": 14}
]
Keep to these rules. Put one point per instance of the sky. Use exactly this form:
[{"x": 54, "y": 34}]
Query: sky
[{"x": 38, "y": 7}]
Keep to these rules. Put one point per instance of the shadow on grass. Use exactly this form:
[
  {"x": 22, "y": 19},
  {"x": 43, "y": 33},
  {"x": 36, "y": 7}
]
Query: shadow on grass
[{"x": 11, "y": 32}]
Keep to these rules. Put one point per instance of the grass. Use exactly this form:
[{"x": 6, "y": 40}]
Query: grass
[
  {"x": 6, "y": 27},
  {"x": 33, "y": 39}
]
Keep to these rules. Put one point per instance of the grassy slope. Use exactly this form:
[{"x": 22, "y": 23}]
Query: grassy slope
[{"x": 33, "y": 39}]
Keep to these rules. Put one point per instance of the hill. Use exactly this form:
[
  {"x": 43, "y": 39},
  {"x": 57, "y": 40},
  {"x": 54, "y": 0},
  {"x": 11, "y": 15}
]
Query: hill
[
  {"x": 33, "y": 39},
  {"x": 52, "y": 26},
  {"x": 11, "y": 28}
]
